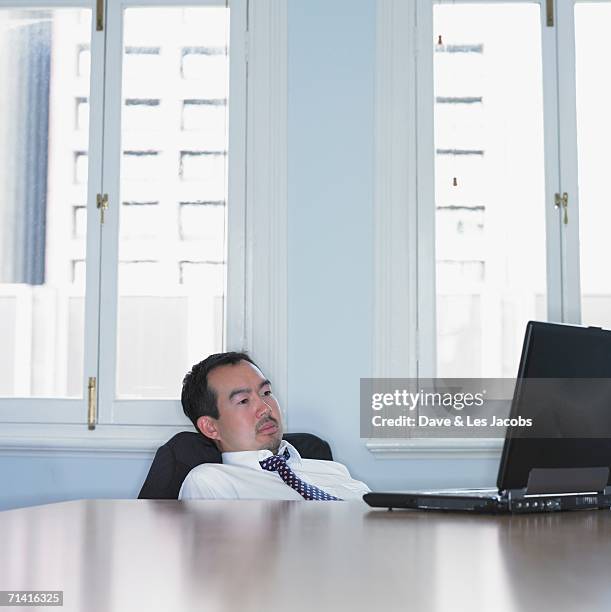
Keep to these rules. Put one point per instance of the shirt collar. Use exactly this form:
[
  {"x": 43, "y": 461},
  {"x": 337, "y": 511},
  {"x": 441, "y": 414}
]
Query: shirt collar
[{"x": 251, "y": 458}]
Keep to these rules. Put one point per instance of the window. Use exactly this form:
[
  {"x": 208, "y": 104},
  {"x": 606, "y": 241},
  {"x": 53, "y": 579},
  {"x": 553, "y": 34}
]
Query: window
[
  {"x": 495, "y": 117},
  {"x": 150, "y": 113}
]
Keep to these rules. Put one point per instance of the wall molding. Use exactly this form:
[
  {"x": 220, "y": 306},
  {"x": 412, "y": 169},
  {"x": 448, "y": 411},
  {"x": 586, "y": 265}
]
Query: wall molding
[
  {"x": 404, "y": 265},
  {"x": 395, "y": 195},
  {"x": 266, "y": 325},
  {"x": 116, "y": 441},
  {"x": 447, "y": 449}
]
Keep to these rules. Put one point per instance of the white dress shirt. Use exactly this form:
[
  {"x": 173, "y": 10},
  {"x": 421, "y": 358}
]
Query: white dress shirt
[{"x": 240, "y": 476}]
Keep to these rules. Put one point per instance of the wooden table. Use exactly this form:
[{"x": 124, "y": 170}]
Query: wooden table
[{"x": 171, "y": 556}]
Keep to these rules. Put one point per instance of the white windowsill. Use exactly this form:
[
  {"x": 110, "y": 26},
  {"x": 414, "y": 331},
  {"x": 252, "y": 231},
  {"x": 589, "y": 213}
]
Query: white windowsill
[
  {"x": 118, "y": 441},
  {"x": 450, "y": 448},
  {"x": 121, "y": 441}
]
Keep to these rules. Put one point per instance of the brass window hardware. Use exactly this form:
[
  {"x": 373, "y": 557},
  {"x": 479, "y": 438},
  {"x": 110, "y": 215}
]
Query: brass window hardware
[
  {"x": 562, "y": 201},
  {"x": 92, "y": 408},
  {"x": 549, "y": 10},
  {"x": 99, "y": 15},
  {"x": 102, "y": 204}
]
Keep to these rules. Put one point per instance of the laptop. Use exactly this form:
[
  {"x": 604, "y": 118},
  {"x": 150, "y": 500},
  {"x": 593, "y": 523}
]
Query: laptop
[{"x": 559, "y": 470}]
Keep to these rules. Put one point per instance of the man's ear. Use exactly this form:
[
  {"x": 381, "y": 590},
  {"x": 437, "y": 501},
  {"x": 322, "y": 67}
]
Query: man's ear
[{"x": 207, "y": 425}]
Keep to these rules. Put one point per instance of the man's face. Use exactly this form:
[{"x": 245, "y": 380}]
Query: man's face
[{"x": 249, "y": 415}]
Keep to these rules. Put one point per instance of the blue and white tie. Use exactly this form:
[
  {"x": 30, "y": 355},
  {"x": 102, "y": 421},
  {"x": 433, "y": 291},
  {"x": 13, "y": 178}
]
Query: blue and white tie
[{"x": 277, "y": 463}]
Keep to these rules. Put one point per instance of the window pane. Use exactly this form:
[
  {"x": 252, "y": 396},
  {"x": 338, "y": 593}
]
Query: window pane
[
  {"x": 489, "y": 185},
  {"x": 174, "y": 193},
  {"x": 44, "y": 63},
  {"x": 141, "y": 113},
  {"x": 592, "y": 22}
]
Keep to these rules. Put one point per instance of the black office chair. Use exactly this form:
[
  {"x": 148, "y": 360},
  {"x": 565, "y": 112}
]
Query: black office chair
[{"x": 179, "y": 455}]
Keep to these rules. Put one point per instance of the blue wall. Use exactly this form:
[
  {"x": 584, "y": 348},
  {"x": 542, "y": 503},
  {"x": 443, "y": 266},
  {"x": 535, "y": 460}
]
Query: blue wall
[
  {"x": 331, "y": 118},
  {"x": 331, "y": 67},
  {"x": 51, "y": 477}
]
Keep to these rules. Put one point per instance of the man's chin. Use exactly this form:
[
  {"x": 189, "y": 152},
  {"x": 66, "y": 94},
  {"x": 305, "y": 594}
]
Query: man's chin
[{"x": 271, "y": 441}]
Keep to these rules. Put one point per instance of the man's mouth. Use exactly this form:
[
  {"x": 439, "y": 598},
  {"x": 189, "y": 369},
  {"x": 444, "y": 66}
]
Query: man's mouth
[{"x": 268, "y": 426}]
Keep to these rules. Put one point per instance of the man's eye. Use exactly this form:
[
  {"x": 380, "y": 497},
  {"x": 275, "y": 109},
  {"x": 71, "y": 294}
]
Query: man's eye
[
  {"x": 268, "y": 392},
  {"x": 244, "y": 401}
]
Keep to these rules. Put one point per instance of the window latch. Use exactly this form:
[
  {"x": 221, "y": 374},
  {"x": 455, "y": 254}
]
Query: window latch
[
  {"x": 562, "y": 201},
  {"x": 102, "y": 204},
  {"x": 549, "y": 13},
  {"x": 99, "y": 15},
  {"x": 92, "y": 408}
]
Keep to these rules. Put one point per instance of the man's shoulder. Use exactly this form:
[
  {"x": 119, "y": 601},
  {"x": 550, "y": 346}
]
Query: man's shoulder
[
  {"x": 204, "y": 469},
  {"x": 324, "y": 465},
  {"x": 209, "y": 481}
]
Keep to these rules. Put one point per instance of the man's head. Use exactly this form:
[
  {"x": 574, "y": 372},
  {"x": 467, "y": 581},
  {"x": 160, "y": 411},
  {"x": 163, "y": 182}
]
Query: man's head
[{"x": 229, "y": 400}]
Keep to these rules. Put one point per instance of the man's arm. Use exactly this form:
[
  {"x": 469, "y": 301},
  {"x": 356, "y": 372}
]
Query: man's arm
[
  {"x": 197, "y": 486},
  {"x": 195, "y": 489},
  {"x": 358, "y": 487}
]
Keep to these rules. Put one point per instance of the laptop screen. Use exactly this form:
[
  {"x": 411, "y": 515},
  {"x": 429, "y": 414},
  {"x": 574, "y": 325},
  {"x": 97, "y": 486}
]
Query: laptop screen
[{"x": 554, "y": 351}]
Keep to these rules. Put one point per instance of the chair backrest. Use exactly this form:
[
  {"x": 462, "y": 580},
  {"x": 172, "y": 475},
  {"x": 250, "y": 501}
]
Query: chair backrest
[{"x": 179, "y": 455}]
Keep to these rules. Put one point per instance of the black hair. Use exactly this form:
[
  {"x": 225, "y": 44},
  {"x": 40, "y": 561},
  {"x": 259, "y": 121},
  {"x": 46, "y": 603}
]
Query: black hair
[{"x": 197, "y": 398}]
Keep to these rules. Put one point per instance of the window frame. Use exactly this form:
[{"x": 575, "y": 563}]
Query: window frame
[
  {"x": 404, "y": 199},
  {"x": 256, "y": 276}
]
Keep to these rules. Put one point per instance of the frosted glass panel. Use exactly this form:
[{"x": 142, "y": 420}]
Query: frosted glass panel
[
  {"x": 489, "y": 185},
  {"x": 592, "y": 23},
  {"x": 174, "y": 194},
  {"x": 44, "y": 87}
]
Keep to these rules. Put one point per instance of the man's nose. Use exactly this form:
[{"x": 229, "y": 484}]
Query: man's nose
[{"x": 262, "y": 407}]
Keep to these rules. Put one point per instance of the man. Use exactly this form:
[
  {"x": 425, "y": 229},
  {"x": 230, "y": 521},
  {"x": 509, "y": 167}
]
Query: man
[{"x": 229, "y": 400}]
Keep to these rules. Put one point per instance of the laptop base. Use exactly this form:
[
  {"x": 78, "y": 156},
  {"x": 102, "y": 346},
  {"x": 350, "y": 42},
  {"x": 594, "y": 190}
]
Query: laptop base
[{"x": 488, "y": 504}]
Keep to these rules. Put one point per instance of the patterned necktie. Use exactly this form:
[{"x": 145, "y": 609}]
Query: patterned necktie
[{"x": 277, "y": 463}]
